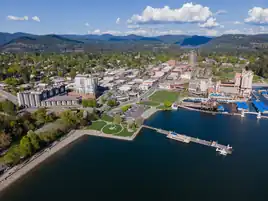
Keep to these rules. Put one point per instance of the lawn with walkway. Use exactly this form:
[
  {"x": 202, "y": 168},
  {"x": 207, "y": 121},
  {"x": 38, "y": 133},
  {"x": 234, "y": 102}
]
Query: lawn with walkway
[
  {"x": 112, "y": 129},
  {"x": 162, "y": 96}
]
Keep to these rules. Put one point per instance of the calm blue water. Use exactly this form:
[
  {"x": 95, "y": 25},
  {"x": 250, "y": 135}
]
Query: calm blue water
[{"x": 155, "y": 168}]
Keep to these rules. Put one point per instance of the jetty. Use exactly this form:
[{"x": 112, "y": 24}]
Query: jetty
[{"x": 188, "y": 139}]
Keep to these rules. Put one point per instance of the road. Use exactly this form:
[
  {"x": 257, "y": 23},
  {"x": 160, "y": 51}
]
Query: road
[{"x": 9, "y": 96}]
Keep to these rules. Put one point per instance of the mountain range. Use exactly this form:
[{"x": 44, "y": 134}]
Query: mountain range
[{"x": 20, "y": 42}]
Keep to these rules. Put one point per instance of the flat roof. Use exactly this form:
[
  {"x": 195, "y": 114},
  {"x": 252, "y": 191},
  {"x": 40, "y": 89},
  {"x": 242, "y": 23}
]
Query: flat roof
[{"x": 63, "y": 98}]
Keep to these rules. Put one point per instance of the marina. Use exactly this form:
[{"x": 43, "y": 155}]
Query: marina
[{"x": 222, "y": 149}]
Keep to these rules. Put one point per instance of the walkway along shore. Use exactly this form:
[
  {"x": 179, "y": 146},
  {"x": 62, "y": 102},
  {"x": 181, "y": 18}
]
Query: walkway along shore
[{"x": 18, "y": 171}]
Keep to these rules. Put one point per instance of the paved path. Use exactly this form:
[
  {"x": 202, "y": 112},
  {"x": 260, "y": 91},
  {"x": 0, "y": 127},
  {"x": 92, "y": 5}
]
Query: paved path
[{"x": 9, "y": 96}]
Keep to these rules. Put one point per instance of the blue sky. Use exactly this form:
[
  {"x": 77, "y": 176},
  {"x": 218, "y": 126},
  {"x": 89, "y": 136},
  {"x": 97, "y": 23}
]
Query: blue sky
[{"x": 142, "y": 17}]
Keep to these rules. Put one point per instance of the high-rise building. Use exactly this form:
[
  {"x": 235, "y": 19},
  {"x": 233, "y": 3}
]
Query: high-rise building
[
  {"x": 86, "y": 85},
  {"x": 192, "y": 59}
]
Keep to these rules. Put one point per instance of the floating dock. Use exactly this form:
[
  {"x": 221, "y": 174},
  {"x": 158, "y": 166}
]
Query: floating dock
[{"x": 188, "y": 139}]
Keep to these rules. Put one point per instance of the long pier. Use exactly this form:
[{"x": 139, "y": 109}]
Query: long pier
[{"x": 188, "y": 139}]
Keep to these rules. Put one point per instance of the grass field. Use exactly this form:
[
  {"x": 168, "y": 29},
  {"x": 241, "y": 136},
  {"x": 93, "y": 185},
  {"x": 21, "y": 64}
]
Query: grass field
[
  {"x": 162, "y": 96},
  {"x": 149, "y": 103},
  {"x": 112, "y": 129},
  {"x": 97, "y": 125},
  {"x": 106, "y": 117}
]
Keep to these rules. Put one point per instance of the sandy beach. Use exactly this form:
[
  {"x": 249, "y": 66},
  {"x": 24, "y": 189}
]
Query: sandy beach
[{"x": 18, "y": 171}]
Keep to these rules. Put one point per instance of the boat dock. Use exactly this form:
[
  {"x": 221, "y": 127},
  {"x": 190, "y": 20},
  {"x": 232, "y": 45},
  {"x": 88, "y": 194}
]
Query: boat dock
[{"x": 188, "y": 139}]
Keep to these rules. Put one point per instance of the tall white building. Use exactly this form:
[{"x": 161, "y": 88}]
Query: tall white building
[
  {"x": 86, "y": 84},
  {"x": 192, "y": 59}
]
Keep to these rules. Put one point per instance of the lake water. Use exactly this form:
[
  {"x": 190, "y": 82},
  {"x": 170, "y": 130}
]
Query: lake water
[{"x": 153, "y": 167}]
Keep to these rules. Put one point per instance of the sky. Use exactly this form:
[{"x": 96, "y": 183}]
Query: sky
[{"x": 140, "y": 17}]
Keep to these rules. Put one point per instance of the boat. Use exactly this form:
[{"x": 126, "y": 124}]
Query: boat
[
  {"x": 174, "y": 106},
  {"x": 222, "y": 151}
]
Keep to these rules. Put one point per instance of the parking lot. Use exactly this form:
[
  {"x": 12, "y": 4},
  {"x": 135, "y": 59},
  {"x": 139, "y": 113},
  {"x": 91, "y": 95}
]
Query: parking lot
[{"x": 135, "y": 111}]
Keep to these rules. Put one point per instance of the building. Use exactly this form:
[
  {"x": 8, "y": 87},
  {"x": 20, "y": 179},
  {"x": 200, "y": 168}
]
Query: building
[
  {"x": 172, "y": 63},
  {"x": 61, "y": 101},
  {"x": 192, "y": 59},
  {"x": 186, "y": 75},
  {"x": 199, "y": 85},
  {"x": 241, "y": 86},
  {"x": 85, "y": 86},
  {"x": 34, "y": 98}
]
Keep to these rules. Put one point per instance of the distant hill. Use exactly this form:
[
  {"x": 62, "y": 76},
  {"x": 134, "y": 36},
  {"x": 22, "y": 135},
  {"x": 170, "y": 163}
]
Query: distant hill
[
  {"x": 7, "y": 37},
  {"x": 40, "y": 43},
  {"x": 19, "y": 42},
  {"x": 194, "y": 41},
  {"x": 172, "y": 38},
  {"x": 236, "y": 42}
]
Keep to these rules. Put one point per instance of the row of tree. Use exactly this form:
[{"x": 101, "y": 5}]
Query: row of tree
[{"x": 32, "y": 142}]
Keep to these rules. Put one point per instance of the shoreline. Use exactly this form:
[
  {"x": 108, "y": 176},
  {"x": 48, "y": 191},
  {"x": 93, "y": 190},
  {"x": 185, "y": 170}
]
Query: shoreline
[
  {"x": 214, "y": 113},
  {"x": 16, "y": 172}
]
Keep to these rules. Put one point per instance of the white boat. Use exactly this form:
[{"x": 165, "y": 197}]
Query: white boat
[
  {"x": 222, "y": 151},
  {"x": 174, "y": 106}
]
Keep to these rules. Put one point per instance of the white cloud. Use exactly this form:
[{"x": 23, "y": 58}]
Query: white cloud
[
  {"x": 96, "y": 31},
  {"x": 188, "y": 13},
  {"x": 257, "y": 15},
  {"x": 233, "y": 31},
  {"x": 149, "y": 32},
  {"x": 118, "y": 20},
  {"x": 35, "y": 18},
  {"x": 133, "y": 26},
  {"x": 208, "y": 32},
  {"x": 210, "y": 23},
  {"x": 220, "y": 12},
  {"x": 87, "y": 24},
  {"x": 237, "y": 22},
  {"x": 15, "y": 18}
]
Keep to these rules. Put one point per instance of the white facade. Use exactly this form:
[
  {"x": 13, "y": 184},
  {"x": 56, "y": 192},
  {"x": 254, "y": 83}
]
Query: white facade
[
  {"x": 186, "y": 75},
  {"x": 144, "y": 87},
  {"x": 85, "y": 84}
]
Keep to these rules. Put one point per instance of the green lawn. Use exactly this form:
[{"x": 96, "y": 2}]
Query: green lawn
[
  {"x": 106, "y": 117},
  {"x": 162, "y": 96},
  {"x": 97, "y": 125},
  {"x": 149, "y": 103},
  {"x": 112, "y": 129}
]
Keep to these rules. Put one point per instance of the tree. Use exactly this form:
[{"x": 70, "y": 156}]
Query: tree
[
  {"x": 117, "y": 119},
  {"x": 72, "y": 73},
  {"x": 13, "y": 156},
  {"x": 167, "y": 104},
  {"x": 89, "y": 103},
  {"x": 26, "y": 146},
  {"x": 8, "y": 107},
  {"x": 34, "y": 139},
  {"x": 139, "y": 122},
  {"x": 5, "y": 140},
  {"x": 111, "y": 103},
  {"x": 69, "y": 117},
  {"x": 125, "y": 108}
]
